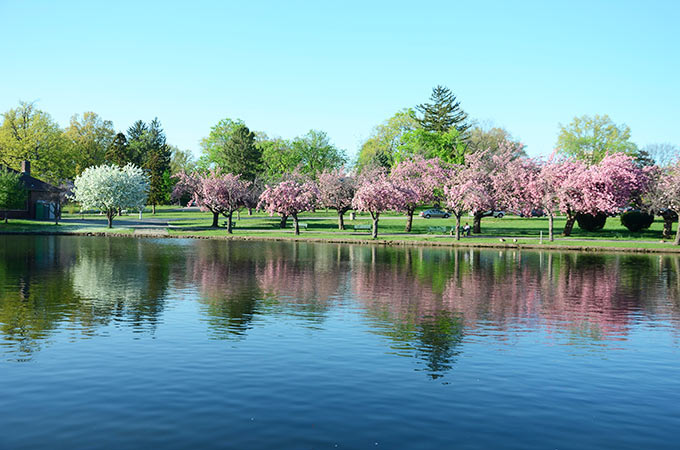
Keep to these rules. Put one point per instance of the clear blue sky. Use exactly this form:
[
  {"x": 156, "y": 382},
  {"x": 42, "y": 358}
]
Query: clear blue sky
[{"x": 343, "y": 67}]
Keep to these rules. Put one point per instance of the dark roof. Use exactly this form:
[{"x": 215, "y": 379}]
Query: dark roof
[{"x": 31, "y": 183}]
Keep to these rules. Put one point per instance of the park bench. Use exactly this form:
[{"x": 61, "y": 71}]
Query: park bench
[
  {"x": 301, "y": 225},
  {"x": 226, "y": 223},
  {"x": 436, "y": 230},
  {"x": 362, "y": 227}
]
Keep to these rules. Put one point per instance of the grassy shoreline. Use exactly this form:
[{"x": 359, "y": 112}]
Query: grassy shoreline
[
  {"x": 484, "y": 243},
  {"x": 507, "y": 233}
]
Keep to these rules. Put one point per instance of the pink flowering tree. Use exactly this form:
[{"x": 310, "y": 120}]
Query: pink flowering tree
[
  {"x": 526, "y": 184},
  {"x": 421, "y": 180},
  {"x": 515, "y": 185},
  {"x": 377, "y": 193},
  {"x": 218, "y": 194},
  {"x": 289, "y": 198},
  {"x": 336, "y": 191},
  {"x": 667, "y": 193},
  {"x": 186, "y": 186},
  {"x": 252, "y": 197},
  {"x": 655, "y": 200},
  {"x": 457, "y": 193},
  {"x": 547, "y": 188},
  {"x": 484, "y": 170},
  {"x": 605, "y": 187}
]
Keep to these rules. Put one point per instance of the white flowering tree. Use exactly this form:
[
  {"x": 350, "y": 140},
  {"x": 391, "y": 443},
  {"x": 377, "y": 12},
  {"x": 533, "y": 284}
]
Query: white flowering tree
[{"x": 110, "y": 188}]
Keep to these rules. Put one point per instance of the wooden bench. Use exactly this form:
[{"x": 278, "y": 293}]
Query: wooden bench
[
  {"x": 362, "y": 227},
  {"x": 301, "y": 225},
  {"x": 436, "y": 230},
  {"x": 226, "y": 223}
]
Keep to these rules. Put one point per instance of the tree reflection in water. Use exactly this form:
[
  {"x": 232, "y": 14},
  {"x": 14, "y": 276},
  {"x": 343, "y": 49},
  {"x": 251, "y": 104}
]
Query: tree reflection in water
[{"x": 427, "y": 303}]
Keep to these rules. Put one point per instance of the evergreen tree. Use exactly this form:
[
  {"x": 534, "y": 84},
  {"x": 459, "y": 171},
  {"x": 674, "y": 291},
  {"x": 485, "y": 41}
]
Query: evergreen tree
[
  {"x": 157, "y": 164},
  {"x": 138, "y": 143},
  {"x": 443, "y": 113},
  {"x": 118, "y": 152},
  {"x": 244, "y": 156}
]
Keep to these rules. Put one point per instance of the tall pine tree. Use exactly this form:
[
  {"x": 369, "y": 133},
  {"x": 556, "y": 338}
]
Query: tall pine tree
[
  {"x": 157, "y": 164},
  {"x": 443, "y": 113},
  {"x": 138, "y": 143},
  {"x": 118, "y": 152}
]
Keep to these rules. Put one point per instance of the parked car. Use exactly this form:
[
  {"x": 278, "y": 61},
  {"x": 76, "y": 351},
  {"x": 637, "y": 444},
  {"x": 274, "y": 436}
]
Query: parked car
[
  {"x": 534, "y": 213},
  {"x": 496, "y": 214},
  {"x": 428, "y": 213}
]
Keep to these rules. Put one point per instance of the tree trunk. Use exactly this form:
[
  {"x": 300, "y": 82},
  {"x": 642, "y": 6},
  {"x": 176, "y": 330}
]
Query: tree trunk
[
  {"x": 109, "y": 217},
  {"x": 677, "y": 235},
  {"x": 409, "y": 220},
  {"x": 153, "y": 208},
  {"x": 57, "y": 213},
  {"x": 216, "y": 220},
  {"x": 551, "y": 219},
  {"x": 229, "y": 222},
  {"x": 571, "y": 219},
  {"x": 284, "y": 221},
  {"x": 296, "y": 224},
  {"x": 250, "y": 211},
  {"x": 667, "y": 227},
  {"x": 667, "y": 224},
  {"x": 376, "y": 217},
  {"x": 477, "y": 223},
  {"x": 6, "y": 214},
  {"x": 341, "y": 220},
  {"x": 238, "y": 215},
  {"x": 457, "y": 227}
]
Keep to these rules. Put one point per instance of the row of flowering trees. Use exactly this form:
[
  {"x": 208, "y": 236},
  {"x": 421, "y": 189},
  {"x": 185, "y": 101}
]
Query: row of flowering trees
[{"x": 485, "y": 182}]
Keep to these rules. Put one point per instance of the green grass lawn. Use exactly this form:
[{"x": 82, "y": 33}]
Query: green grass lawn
[{"x": 323, "y": 225}]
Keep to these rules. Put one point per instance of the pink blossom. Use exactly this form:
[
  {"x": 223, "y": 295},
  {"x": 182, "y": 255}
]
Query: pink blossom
[
  {"x": 289, "y": 198},
  {"x": 421, "y": 180},
  {"x": 377, "y": 195},
  {"x": 336, "y": 191}
]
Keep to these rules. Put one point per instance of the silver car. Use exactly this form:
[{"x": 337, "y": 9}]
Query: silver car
[{"x": 428, "y": 213}]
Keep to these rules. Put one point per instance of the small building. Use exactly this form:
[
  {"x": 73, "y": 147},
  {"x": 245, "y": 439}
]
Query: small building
[{"x": 40, "y": 202}]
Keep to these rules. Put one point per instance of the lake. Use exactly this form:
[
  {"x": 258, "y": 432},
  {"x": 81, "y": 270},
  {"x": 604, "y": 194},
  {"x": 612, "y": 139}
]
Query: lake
[{"x": 147, "y": 343}]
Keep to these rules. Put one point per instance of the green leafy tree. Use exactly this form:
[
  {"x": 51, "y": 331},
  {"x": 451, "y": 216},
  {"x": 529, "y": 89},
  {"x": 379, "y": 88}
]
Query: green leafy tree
[
  {"x": 29, "y": 134},
  {"x": 89, "y": 137},
  {"x": 491, "y": 139},
  {"x": 181, "y": 161},
  {"x": 386, "y": 140},
  {"x": 278, "y": 157},
  {"x": 316, "y": 153},
  {"x": 447, "y": 146},
  {"x": 12, "y": 191},
  {"x": 443, "y": 113},
  {"x": 590, "y": 138},
  {"x": 231, "y": 147}
]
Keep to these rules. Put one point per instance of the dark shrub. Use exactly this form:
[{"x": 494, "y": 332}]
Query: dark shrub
[
  {"x": 636, "y": 220},
  {"x": 591, "y": 222}
]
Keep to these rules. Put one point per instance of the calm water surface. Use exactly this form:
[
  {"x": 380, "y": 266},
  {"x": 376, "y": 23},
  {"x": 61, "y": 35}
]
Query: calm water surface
[{"x": 138, "y": 343}]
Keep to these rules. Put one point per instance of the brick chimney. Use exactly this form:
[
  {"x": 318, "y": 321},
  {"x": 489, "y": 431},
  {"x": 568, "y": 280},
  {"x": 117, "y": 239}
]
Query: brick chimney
[{"x": 26, "y": 167}]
